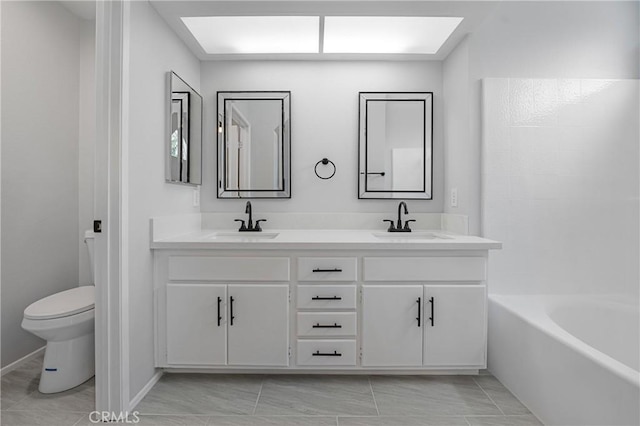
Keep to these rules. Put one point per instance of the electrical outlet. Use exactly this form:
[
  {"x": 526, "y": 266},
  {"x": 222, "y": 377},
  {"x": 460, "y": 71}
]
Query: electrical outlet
[
  {"x": 454, "y": 197},
  {"x": 196, "y": 197}
]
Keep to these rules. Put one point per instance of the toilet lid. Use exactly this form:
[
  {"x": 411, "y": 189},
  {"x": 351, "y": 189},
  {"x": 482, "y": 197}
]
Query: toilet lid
[{"x": 63, "y": 304}]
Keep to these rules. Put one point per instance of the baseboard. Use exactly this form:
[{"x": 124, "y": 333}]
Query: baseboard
[
  {"x": 16, "y": 364},
  {"x": 145, "y": 390}
]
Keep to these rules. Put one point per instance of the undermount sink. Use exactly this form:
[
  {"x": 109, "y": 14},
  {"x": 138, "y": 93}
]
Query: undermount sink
[
  {"x": 410, "y": 236},
  {"x": 243, "y": 236}
]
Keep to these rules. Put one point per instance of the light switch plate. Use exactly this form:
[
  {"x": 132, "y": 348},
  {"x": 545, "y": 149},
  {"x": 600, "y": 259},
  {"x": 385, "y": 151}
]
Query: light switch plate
[
  {"x": 196, "y": 196},
  {"x": 454, "y": 197}
]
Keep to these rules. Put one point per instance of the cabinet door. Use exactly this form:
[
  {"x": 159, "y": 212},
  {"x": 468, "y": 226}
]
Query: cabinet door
[
  {"x": 456, "y": 333},
  {"x": 194, "y": 334},
  {"x": 258, "y": 325},
  {"x": 391, "y": 335}
]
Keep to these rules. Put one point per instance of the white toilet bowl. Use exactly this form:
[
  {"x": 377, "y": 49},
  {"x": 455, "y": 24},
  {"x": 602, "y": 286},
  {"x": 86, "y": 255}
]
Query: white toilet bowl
[{"x": 66, "y": 321}]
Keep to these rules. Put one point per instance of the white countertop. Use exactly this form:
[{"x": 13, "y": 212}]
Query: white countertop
[{"x": 324, "y": 239}]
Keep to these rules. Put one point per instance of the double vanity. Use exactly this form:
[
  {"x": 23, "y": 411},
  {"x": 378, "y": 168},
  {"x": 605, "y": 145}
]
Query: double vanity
[
  {"x": 269, "y": 296},
  {"x": 321, "y": 300}
]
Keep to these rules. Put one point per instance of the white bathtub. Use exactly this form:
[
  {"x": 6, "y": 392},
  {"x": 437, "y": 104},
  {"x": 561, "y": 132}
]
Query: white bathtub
[{"x": 572, "y": 360}]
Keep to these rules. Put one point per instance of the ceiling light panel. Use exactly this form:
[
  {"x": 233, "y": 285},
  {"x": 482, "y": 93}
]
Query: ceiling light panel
[
  {"x": 255, "y": 34},
  {"x": 387, "y": 34}
]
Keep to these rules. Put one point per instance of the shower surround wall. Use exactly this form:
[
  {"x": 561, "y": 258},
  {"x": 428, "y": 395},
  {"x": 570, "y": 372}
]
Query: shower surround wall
[{"x": 560, "y": 185}]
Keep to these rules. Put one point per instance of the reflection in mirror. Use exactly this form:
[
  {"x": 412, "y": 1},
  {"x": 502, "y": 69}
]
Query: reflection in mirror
[
  {"x": 254, "y": 145},
  {"x": 395, "y": 144},
  {"x": 184, "y": 153}
]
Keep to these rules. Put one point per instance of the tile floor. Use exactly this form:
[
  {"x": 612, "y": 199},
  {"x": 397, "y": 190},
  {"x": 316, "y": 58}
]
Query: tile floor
[{"x": 279, "y": 400}]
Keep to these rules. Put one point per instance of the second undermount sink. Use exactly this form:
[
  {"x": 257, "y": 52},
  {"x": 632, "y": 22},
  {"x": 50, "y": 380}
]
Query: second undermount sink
[
  {"x": 410, "y": 236},
  {"x": 242, "y": 236}
]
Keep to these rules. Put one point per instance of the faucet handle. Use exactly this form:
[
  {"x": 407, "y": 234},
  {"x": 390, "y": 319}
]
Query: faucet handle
[
  {"x": 391, "y": 225},
  {"x": 242, "y": 226},
  {"x": 406, "y": 224},
  {"x": 257, "y": 227}
]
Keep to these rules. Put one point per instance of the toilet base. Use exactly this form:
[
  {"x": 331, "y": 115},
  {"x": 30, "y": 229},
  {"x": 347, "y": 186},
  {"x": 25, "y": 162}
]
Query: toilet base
[{"x": 67, "y": 364}]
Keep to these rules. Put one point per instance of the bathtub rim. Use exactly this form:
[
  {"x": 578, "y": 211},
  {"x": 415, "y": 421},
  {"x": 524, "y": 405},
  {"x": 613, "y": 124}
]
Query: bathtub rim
[{"x": 535, "y": 314}]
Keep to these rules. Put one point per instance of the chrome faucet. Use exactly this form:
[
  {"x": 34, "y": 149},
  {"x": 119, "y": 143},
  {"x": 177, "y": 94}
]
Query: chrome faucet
[
  {"x": 399, "y": 227},
  {"x": 249, "y": 227}
]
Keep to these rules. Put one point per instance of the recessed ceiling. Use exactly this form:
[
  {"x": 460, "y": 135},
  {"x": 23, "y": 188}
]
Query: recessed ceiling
[
  {"x": 387, "y": 34},
  {"x": 255, "y": 34},
  {"x": 333, "y": 15}
]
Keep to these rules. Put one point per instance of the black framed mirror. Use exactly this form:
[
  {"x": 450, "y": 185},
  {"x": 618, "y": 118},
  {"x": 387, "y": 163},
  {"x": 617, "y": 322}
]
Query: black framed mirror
[
  {"x": 183, "y": 163},
  {"x": 395, "y": 145},
  {"x": 254, "y": 144}
]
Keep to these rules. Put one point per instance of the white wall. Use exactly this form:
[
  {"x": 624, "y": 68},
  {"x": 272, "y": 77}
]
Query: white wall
[
  {"x": 531, "y": 40},
  {"x": 40, "y": 102},
  {"x": 154, "y": 51},
  {"x": 324, "y": 123},
  {"x": 460, "y": 155},
  {"x": 561, "y": 185},
  {"x": 87, "y": 141}
]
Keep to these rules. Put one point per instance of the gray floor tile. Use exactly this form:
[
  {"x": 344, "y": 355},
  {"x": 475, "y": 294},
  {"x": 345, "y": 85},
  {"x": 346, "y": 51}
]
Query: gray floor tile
[
  {"x": 173, "y": 420},
  {"x": 403, "y": 421},
  {"x": 79, "y": 399},
  {"x": 430, "y": 395},
  {"x": 152, "y": 420},
  {"x": 509, "y": 404},
  {"x": 273, "y": 421},
  {"x": 214, "y": 394},
  {"x": 20, "y": 382},
  {"x": 39, "y": 418},
  {"x": 526, "y": 420},
  {"x": 316, "y": 395}
]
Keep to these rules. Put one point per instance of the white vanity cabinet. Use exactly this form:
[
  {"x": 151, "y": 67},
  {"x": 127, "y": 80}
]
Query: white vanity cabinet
[
  {"x": 391, "y": 334},
  {"x": 440, "y": 324},
  {"x": 244, "y": 325},
  {"x": 262, "y": 306},
  {"x": 196, "y": 333},
  {"x": 207, "y": 323},
  {"x": 430, "y": 325}
]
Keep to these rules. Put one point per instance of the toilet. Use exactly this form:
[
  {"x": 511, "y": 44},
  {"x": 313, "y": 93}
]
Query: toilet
[{"x": 66, "y": 321}]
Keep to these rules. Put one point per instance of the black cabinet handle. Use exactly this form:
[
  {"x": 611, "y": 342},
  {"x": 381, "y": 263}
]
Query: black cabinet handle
[
  {"x": 419, "y": 317},
  {"x": 231, "y": 300},
  {"x": 432, "y": 317},
  {"x": 327, "y": 270},
  {"x": 326, "y": 298},
  {"x": 219, "y": 317},
  {"x": 335, "y": 325},
  {"x": 318, "y": 353}
]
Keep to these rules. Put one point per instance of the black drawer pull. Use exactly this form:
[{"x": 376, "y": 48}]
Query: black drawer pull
[
  {"x": 327, "y": 270},
  {"x": 432, "y": 318},
  {"x": 326, "y": 298},
  {"x": 231, "y": 300},
  {"x": 219, "y": 317},
  {"x": 335, "y": 353},
  {"x": 335, "y": 325}
]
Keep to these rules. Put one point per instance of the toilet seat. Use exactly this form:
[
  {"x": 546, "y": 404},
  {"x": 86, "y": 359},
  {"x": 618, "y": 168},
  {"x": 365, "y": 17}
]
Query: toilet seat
[{"x": 63, "y": 304}]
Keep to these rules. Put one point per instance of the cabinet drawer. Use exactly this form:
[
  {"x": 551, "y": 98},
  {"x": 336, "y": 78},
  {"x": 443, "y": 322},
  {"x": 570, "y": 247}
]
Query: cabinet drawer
[
  {"x": 326, "y": 324},
  {"x": 425, "y": 268},
  {"x": 327, "y": 269},
  {"x": 327, "y": 296},
  {"x": 326, "y": 352},
  {"x": 229, "y": 268}
]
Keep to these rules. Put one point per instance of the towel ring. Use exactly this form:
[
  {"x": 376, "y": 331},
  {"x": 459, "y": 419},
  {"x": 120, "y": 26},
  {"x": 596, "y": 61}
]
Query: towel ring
[{"x": 325, "y": 161}]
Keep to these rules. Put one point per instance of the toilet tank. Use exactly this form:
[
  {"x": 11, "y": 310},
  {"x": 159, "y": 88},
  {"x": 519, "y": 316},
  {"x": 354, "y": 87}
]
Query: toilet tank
[{"x": 89, "y": 237}]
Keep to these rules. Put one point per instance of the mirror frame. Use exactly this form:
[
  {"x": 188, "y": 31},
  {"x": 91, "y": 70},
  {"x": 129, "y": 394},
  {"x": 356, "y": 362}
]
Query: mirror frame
[
  {"x": 363, "y": 172},
  {"x": 194, "y": 128},
  {"x": 285, "y": 98}
]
